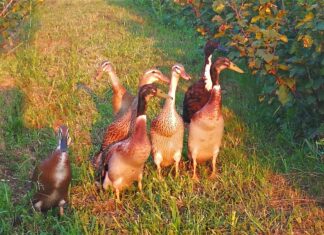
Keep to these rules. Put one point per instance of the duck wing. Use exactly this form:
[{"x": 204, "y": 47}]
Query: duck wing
[{"x": 195, "y": 98}]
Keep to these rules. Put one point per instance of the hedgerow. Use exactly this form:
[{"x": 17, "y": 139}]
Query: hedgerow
[{"x": 282, "y": 44}]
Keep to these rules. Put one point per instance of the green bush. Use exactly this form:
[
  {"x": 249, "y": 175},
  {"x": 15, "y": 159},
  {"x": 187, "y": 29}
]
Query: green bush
[
  {"x": 13, "y": 14},
  {"x": 282, "y": 44}
]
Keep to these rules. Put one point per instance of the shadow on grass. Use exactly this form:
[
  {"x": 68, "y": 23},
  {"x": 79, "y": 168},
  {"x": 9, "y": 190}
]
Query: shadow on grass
[{"x": 21, "y": 149}]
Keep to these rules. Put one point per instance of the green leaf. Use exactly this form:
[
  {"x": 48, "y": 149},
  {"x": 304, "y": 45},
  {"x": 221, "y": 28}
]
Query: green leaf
[
  {"x": 318, "y": 82},
  {"x": 265, "y": 55},
  {"x": 297, "y": 71},
  {"x": 229, "y": 16},
  {"x": 310, "y": 99},
  {"x": 283, "y": 94},
  {"x": 320, "y": 26},
  {"x": 321, "y": 96}
]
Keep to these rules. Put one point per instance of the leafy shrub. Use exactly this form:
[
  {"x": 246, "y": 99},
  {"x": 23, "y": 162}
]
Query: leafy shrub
[
  {"x": 13, "y": 13},
  {"x": 282, "y": 44}
]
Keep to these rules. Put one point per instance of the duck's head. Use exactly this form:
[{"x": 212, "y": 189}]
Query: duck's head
[
  {"x": 211, "y": 45},
  {"x": 224, "y": 63},
  {"x": 179, "y": 71},
  {"x": 153, "y": 75},
  {"x": 64, "y": 138},
  {"x": 106, "y": 66},
  {"x": 145, "y": 93}
]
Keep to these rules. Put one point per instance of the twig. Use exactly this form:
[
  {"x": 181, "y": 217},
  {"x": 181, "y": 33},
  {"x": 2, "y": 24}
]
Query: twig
[
  {"x": 13, "y": 49},
  {"x": 5, "y": 9}
]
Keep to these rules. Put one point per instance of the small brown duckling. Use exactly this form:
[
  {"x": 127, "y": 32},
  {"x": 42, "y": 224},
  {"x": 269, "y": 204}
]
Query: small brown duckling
[
  {"x": 52, "y": 176},
  {"x": 124, "y": 161}
]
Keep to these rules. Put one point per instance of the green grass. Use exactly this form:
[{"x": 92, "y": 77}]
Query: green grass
[{"x": 268, "y": 184}]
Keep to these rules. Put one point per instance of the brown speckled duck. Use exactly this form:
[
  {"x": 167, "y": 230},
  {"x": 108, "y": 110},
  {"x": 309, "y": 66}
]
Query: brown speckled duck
[
  {"x": 122, "y": 123},
  {"x": 167, "y": 128},
  {"x": 122, "y": 99},
  {"x": 53, "y": 176},
  {"x": 124, "y": 160},
  {"x": 207, "y": 125}
]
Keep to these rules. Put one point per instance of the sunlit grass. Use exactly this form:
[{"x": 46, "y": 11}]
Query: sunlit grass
[{"x": 71, "y": 39}]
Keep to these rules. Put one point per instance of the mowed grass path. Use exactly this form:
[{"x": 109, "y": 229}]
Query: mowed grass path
[{"x": 71, "y": 38}]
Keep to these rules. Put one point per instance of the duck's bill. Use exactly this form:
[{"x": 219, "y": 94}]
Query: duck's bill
[
  {"x": 184, "y": 75},
  {"x": 162, "y": 94},
  {"x": 164, "y": 79},
  {"x": 235, "y": 68}
]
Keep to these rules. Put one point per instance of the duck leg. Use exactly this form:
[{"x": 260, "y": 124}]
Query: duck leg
[
  {"x": 194, "y": 160},
  {"x": 157, "y": 160},
  {"x": 38, "y": 206},
  {"x": 140, "y": 186},
  {"x": 177, "y": 158},
  {"x": 61, "y": 206},
  {"x": 106, "y": 181},
  {"x": 118, "y": 196},
  {"x": 213, "y": 174}
]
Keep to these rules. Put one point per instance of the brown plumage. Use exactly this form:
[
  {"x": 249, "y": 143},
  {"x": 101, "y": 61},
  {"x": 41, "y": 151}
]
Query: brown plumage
[
  {"x": 122, "y": 99},
  {"x": 167, "y": 128},
  {"x": 198, "y": 93},
  {"x": 206, "y": 132},
  {"x": 207, "y": 124},
  {"x": 124, "y": 161},
  {"x": 53, "y": 176},
  {"x": 123, "y": 122}
]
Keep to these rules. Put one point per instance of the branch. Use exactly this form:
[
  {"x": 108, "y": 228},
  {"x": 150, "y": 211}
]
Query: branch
[{"x": 5, "y": 9}]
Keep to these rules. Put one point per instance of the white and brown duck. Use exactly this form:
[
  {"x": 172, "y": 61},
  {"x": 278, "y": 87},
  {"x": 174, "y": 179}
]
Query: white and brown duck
[
  {"x": 52, "y": 176},
  {"x": 123, "y": 122},
  {"x": 167, "y": 128},
  {"x": 124, "y": 161},
  {"x": 198, "y": 93},
  {"x": 207, "y": 125}
]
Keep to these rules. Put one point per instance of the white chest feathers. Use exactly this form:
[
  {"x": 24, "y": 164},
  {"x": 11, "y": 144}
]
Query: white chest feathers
[{"x": 61, "y": 170}]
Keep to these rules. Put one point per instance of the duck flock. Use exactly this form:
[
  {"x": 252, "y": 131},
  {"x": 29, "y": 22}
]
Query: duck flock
[{"x": 126, "y": 145}]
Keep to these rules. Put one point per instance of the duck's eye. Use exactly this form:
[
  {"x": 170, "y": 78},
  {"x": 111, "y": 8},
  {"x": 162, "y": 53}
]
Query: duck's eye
[{"x": 177, "y": 69}]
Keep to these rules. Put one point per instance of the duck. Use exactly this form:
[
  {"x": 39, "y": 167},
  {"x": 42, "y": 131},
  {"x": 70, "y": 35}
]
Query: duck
[
  {"x": 167, "y": 128},
  {"x": 124, "y": 121},
  {"x": 52, "y": 176},
  {"x": 122, "y": 99},
  {"x": 124, "y": 161},
  {"x": 197, "y": 94},
  {"x": 207, "y": 124}
]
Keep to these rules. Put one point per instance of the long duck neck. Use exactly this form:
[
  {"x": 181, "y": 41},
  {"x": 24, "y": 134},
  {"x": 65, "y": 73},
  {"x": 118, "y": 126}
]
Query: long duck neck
[
  {"x": 172, "y": 90},
  {"x": 116, "y": 85},
  {"x": 141, "y": 106},
  {"x": 139, "y": 134},
  {"x": 214, "y": 104},
  {"x": 214, "y": 71},
  {"x": 63, "y": 144}
]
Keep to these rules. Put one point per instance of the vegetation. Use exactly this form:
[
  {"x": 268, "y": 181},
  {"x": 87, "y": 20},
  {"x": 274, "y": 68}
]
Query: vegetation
[
  {"x": 14, "y": 16},
  {"x": 282, "y": 43},
  {"x": 267, "y": 182}
]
